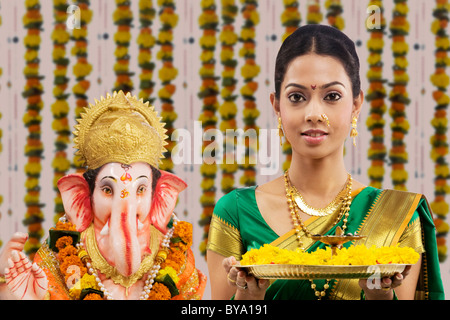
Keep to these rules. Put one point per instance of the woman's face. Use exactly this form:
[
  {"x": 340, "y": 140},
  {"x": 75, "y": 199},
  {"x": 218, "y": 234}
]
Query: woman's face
[{"x": 315, "y": 85}]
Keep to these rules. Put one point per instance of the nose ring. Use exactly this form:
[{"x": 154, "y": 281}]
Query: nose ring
[{"x": 324, "y": 117}]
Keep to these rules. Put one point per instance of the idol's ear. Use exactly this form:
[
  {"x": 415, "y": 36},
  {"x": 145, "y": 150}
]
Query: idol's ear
[
  {"x": 165, "y": 199},
  {"x": 76, "y": 199}
]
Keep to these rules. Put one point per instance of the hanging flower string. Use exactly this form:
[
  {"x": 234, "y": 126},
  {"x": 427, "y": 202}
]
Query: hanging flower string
[
  {"x": 32, "y": 119},
  {"x": 249, "y": 72},
  {"x": 209, "y": 91},
  {"x": 82, "y": 68},
  {"x": 123, "y": 16},
  {"x": 439, "y": 152},
  {"x": 376, "y": 96},
  {"x": 60, "y": 108},
  {"x": 146, "y": 42},
  {"x": 334, "y": 14},
  {"x": 228, "y": 109},
  {"x": 398, "y": 155},
  {"x": 290, "y": 19},
  {"x": 167, "y": 74},
  {"x": 314, "y": 16}
]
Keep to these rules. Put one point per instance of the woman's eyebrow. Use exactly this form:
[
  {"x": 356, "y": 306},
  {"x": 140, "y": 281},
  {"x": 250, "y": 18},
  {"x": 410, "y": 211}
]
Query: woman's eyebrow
[{"x": 325, "y": 86}]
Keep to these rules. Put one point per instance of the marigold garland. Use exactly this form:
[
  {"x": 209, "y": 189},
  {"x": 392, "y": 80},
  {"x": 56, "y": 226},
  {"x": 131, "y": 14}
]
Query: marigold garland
[
  {"x": 123, "y": 16},
  {"x": 81, "y": 68},
  {"x": 314, "y": 16},
  {"x": 60, "y": 108},
  {"x": 438, "y": 141},
  {"x": 209, "y": 90},
  {"x": 334, "y": 14},
  {"x": 228, "y": 109},
  {"x": 167, "y": 73},
  {"x": 146, "y": 42},
  {"x": 290, "y": 19},
  {"x": 70, "y": 254},
  {"x": 376, "y": 96},
  {"x": 249, "y": 71},
  {"x": 32, "y": 119},
  {"x": 398, "y": 96}
]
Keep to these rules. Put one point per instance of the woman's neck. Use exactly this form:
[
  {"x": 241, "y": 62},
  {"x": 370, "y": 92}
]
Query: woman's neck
[{"x": 325, "y": 177}]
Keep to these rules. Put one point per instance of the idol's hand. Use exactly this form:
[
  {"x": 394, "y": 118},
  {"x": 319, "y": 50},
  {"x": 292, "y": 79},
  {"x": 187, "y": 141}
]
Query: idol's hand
[
  {"x": 247, "y": 287},
  {"x": 25, "y": 280},
  {"x": 16, "y": 243},
  {"x": 382, "y": 289}
]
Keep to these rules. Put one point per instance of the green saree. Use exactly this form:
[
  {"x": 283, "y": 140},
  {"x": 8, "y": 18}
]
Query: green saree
[{"x": 385, "y": 217}]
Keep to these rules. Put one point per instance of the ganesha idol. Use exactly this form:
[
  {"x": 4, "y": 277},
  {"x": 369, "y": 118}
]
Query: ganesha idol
[{"x": 119, "y": 238}]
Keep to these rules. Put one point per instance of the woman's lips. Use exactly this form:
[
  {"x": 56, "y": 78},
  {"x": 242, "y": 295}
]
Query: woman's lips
[{"x": 314, "y": 137}]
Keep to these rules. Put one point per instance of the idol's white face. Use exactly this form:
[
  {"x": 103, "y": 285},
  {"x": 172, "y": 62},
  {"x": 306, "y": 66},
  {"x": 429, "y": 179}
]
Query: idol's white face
[{"x": 313, "y": 86}]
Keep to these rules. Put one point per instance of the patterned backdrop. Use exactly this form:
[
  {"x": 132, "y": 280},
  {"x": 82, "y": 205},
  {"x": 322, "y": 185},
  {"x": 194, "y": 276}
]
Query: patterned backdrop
[{"x": 208, "y": 65}]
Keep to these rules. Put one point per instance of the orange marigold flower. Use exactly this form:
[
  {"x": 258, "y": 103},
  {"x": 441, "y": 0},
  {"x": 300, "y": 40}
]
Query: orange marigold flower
[
  {"x": 183, "y": 230},
  {"x": 93, "y": 296},
  {"x": 67, "y": 251},
  {"x": 159, "y": 292},
  {"x": 65, "y": 226},
  {"x": 63, "y": 242}
]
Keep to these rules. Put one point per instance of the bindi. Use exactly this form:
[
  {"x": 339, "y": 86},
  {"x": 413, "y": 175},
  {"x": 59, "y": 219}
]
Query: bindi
[
  {"x": 126, "y": 177},
  {"x": 314, "y": 87}
]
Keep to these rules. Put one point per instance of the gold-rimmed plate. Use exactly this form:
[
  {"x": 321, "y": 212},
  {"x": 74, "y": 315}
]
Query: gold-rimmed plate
[{"x": 295, "y": 271}]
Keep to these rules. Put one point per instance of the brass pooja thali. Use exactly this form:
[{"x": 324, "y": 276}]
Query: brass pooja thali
[
  {"x": 335, "y": 242},
  {"x": 294, "y": 271}
]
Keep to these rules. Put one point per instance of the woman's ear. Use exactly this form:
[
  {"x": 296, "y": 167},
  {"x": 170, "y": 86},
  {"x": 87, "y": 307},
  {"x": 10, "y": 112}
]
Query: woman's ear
[
  {"x": 275, "y": 103},
  {"x": 357, "y": 104}
]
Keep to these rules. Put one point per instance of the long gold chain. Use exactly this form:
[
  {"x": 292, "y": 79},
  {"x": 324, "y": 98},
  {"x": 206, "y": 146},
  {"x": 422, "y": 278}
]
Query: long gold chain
[{"x": 300, "y": 226}]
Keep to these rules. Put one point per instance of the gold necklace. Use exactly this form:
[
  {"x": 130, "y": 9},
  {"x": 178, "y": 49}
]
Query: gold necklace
[
  {"x": 299, "y": 225},
  {"x": 321, "y": 212}
]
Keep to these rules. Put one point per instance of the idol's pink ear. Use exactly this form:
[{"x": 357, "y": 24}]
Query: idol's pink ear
[
  {"x": 165, "y": 199},
  {"x": 76, "y": 199}
]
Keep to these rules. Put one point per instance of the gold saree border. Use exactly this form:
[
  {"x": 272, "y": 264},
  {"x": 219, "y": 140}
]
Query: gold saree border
[
  {"x": 224, "y": 238},
  {"x": 382, "y": 228}
]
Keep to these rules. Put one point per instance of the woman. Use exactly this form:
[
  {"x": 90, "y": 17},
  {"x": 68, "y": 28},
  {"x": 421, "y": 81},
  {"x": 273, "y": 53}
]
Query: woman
[{"x": 318, "y": 100}]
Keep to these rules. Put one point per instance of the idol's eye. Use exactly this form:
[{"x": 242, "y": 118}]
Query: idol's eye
[
  {"x": 296, "y": 97},
  {"x": 141, "y": 189},
  {"x": 333, "y": 96},
  {"x": 106, "y": 190}
]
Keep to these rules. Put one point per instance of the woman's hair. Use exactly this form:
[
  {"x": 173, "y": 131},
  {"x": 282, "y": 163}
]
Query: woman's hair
[
  {"x": 322, "y": 40},
  {"x": 91, "y": 175}
]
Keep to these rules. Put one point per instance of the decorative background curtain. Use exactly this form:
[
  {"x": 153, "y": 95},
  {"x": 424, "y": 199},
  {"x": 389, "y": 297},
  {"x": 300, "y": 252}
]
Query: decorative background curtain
[{"x": 207, "y": 66}]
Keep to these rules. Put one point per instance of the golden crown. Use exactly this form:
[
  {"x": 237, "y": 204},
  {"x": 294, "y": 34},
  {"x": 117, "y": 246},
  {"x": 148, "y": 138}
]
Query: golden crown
[{"x": 120, "y": 128}]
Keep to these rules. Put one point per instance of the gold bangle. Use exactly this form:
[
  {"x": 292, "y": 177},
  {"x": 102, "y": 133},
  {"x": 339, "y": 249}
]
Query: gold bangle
[{"x": 2, "y": 279}]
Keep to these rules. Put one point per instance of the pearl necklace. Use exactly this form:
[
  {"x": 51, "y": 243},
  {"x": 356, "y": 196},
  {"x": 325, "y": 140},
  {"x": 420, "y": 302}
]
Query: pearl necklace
[{"x": 151, "y": 275}]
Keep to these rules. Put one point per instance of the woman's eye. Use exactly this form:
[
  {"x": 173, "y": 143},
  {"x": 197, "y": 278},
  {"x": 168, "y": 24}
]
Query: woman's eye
[
  {"x": 333, "y": 96},
  {"x": 106, "y": 190},
  {"x": 296, "y": 97},
  {"x": 141, "y": 189}
]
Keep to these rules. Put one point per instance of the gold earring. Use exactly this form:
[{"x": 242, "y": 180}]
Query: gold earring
[
  {"x": 354, "y": 132},
  {"x": 280, "y": 131}
]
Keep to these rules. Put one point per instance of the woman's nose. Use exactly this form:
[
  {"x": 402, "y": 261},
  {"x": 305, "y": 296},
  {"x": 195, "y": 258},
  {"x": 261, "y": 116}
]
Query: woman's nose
[{"x": 314, "y": 112}]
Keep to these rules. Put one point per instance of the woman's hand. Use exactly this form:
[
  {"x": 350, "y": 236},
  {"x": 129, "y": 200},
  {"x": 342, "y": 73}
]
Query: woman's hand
[
  {"x": 382, "y": 289},
  {"x": 247, "y": 287}
]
